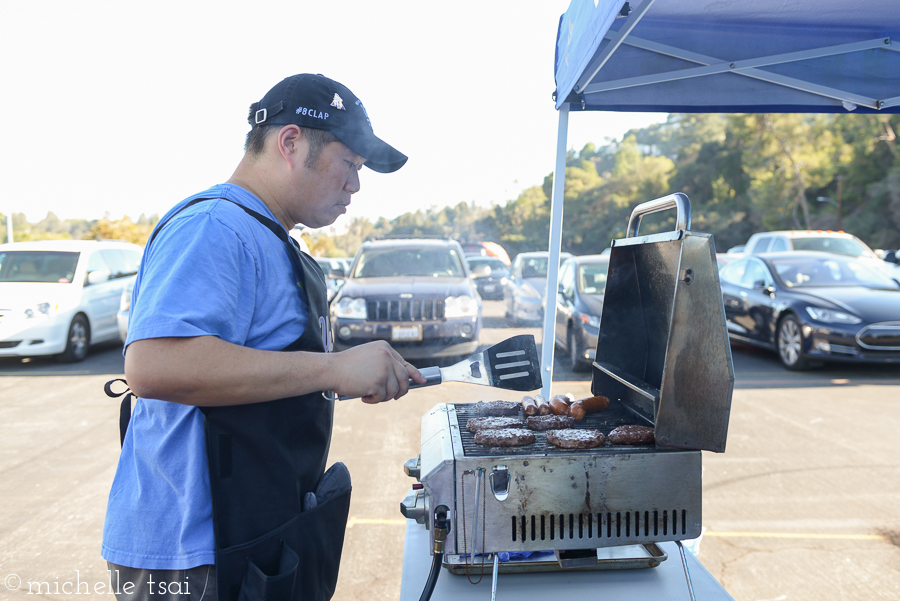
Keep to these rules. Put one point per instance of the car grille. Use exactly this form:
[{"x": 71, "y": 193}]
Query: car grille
[
  {"x": 880, "y": 336},
  {"x": 9, "y": 343},
  {"x": 404, "y": 310}
]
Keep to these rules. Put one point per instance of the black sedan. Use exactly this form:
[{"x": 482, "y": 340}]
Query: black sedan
[
  {"x": 813, "y": 306},
  {"x": 579, "y": 303},
  {"x": 490, "y": 281}
]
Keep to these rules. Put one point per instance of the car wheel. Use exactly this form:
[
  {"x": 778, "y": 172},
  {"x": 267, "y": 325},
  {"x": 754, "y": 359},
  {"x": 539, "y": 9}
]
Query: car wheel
[
  {"x": 513, "y": 315},
  {"x": 790, "y": 344},
  {"x": 78, "y": 340},
  {"x": 576, "y": 364}
]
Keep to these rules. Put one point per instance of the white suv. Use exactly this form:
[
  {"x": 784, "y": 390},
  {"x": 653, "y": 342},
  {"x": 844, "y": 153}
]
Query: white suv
[
  {"x": 840, "y": 243},
  {"x": 57, "y": 297}
]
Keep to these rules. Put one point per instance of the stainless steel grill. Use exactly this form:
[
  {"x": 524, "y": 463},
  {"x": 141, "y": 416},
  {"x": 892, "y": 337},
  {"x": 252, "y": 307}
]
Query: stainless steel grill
[
  {"x": 539, "y": 498},
  {"x": 405, "y": 310},
  {"x": 663, "y": 359}
]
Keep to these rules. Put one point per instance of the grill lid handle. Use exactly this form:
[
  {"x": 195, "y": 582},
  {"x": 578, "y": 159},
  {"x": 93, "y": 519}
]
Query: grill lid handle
[{"x": 677, "y": 201}]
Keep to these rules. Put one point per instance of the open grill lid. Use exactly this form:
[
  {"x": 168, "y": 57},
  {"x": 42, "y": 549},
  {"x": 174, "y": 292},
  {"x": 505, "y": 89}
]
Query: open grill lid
[{"x": 663, "y": 347}]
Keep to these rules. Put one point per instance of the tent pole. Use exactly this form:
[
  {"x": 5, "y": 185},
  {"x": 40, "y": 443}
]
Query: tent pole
[{"x": 556, "y": 220}]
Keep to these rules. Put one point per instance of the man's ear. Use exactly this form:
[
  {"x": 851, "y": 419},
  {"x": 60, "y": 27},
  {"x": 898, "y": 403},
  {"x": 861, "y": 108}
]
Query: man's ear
[{"x": 292, "y": 144}]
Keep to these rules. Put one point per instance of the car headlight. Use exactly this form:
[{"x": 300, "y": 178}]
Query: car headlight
[
  {"x": 39, "y": 310},
  {"x": 591, "y": 320},
  {"x": 460, "y": 306},
  {"x": 830, "y": 316},
  {"x": 351, "y": 308}
]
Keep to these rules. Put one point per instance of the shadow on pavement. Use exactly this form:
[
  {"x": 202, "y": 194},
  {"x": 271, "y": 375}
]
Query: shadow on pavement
[
  {"x": 758, "y": 368},
  {"x": 104, "y": 359}
]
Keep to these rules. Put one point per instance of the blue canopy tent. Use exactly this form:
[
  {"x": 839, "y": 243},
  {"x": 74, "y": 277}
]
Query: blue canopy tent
[{"x": 717, "y": 56}]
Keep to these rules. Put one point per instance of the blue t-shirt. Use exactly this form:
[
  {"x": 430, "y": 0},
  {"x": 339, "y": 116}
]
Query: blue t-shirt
[{"x": 213, "y": 270}]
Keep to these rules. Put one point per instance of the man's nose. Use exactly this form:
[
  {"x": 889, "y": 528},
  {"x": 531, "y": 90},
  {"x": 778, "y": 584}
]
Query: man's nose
[{"x": 352, "y": 184}]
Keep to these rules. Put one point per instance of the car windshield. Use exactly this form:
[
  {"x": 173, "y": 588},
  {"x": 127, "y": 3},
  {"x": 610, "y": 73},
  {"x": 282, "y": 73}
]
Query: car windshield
[
  {"x": 494, "y": 264},
  {"x": 841, "y": 246},
  {"x": 38, "y": 266},
  {"x": 805, "y": 273},
  {"x": 535, "y": 267},
  {"x": 592, "y": 277},
  {"x": 393, "y": 262}
]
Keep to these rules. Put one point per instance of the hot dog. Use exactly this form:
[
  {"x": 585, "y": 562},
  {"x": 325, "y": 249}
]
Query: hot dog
[
  {"x": 543, "y": 405},
  {"x": 593, "y": 404},
  {"x": 529, "y": 405},
  {"x": 559, "y": 405}
]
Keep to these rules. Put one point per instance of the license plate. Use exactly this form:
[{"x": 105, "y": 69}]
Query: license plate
[
  {"x": 406, "y": 332},
  {"x": 489, "y": 287}
]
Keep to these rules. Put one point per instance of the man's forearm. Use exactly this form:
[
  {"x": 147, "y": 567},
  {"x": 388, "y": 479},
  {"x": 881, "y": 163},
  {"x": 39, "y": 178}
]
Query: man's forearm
[{"x": 208, "y": 371}]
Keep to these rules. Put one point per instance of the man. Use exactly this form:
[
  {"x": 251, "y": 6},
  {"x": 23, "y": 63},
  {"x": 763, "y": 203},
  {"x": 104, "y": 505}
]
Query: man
[{"x": 219, "y": 491}]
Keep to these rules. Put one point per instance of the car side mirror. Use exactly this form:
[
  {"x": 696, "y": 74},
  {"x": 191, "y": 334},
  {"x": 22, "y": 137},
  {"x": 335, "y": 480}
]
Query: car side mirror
[
  {"x": 890, "y": 256},
  {"x": 561, "y": 289},
  {"x": 98, "y": 277}
]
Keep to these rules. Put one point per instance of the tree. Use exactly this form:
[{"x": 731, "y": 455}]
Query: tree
[{"x": 120, "y": 229}]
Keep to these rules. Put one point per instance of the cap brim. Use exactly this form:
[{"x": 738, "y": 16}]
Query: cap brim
[{"x": 380, "y": 156}]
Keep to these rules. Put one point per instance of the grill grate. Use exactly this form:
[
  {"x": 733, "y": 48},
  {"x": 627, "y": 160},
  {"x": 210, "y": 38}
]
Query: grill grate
[
  {"x": 605, "y": 421},
  {"x": 404, "y": 310}
]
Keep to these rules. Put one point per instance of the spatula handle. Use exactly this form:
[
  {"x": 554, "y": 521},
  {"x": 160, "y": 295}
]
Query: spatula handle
[{"x": 432, "y": 378}]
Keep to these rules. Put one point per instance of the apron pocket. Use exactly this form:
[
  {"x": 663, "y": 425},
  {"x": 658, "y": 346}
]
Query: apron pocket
[
  {"x": 241, "y": 566},
  {"x": 298, "y": 561},
  {"x": 321, "y": 535},
  {"x": 259, "y": 586}
]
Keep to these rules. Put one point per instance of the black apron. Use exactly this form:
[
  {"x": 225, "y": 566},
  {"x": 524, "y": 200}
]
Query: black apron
[{"x": 264, "y": 458}]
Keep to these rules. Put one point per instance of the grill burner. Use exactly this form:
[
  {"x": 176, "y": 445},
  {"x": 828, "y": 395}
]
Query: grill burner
[{"x": 605, "y": 421}]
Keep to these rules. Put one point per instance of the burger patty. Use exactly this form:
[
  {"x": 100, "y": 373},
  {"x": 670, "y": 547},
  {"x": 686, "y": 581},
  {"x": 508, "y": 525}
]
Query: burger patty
[
  {"x": 477, "y": 424},
  {"x": 576, "y": 439},
  {"x": 506, "y": 437},
  {"x": 632, "y": 435},
  {"x": 497, "y": 408},
  {"x": 550, "y": 422}
]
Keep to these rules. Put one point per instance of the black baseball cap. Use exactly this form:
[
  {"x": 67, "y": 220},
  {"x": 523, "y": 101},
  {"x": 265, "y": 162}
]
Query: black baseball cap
[{"x": 315, "y": 101}]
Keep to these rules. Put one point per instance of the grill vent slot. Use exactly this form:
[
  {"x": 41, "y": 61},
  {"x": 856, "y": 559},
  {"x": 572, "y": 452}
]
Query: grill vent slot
[
  {"x": 404, "y": 310},
  {"x": 619, "y": 524}
]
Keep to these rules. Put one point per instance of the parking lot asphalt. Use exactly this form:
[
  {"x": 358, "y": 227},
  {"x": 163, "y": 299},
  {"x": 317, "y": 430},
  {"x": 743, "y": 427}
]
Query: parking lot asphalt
[{"x": 801, "y": 506}]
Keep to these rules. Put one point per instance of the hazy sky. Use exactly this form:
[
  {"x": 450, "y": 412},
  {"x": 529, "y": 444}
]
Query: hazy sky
[{"x": 126, "y": 108}]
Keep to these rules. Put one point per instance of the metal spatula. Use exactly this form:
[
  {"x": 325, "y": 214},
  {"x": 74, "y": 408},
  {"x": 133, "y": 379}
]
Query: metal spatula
[{"x": 512, "y": 365}]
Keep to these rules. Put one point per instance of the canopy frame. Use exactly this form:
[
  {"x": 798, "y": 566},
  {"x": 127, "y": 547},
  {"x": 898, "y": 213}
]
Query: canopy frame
[
  {"x": 861, "y": 33},
  {"x": 748, "y": 68}
]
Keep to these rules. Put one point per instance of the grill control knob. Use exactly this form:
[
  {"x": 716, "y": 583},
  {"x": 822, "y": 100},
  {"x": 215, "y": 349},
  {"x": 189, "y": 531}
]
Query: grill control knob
[
  {"x": 413, "y": 507},
  {"x": 411, "y": 467}
]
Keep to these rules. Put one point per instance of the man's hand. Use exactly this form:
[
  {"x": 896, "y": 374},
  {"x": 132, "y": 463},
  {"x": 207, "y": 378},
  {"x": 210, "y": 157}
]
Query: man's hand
[{"x": 373, "y": 371}]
